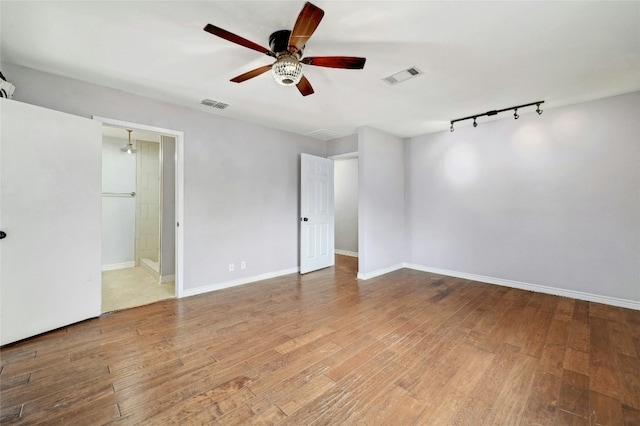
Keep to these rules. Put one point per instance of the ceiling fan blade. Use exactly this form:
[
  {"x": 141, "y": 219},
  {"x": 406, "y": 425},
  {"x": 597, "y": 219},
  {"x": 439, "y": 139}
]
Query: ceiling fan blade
[
  {"x": 217, "y": 31},
  {"x": 253, "y": 73},
  {"x": 307, "y": 22},
  {"x": 349, "y": 62},
  {"x": 304, "y": 86}
]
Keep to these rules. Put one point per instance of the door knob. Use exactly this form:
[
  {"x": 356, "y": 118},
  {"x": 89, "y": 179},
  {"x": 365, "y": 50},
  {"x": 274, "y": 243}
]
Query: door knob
[
  {"x": 305, "y": 219},
  {"x": 2, "y": 235}
]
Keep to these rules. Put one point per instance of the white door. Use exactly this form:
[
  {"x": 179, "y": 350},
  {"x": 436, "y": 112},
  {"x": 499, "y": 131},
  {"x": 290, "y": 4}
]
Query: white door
[
  {"x": 316, "y": 214},
  {"x": 50, "y": 208}
]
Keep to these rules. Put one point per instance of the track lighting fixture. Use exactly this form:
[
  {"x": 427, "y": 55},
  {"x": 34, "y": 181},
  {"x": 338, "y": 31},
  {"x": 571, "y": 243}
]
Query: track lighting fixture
[{"x": 495, "y": 112}]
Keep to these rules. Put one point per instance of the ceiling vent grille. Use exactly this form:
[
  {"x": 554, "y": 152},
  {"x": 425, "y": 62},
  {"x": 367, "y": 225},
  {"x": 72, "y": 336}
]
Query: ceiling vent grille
[
  {"x": 214, "y": 104},
  {"x": 403, "y": 75},
  {"x": 323, "y": 134}
]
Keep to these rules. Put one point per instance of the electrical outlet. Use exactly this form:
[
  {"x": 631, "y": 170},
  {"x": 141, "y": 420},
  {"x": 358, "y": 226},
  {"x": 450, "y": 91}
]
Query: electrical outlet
[
  {"x": 243, "y": 264},
  {"x": 232, "y": 267}
]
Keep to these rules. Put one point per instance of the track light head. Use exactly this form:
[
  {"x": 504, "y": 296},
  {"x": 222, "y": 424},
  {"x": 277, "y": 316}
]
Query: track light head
[
  {"x": 538, "y": 110},
  {"x": 451, "y": 129},
  {"x": 474, "y": 122},
  {"x": 515, "y": 113}
]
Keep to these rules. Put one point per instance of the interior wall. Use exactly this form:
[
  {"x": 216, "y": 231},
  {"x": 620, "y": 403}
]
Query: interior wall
[
  {"x": 118, "y": 213},
  {"x": 344, "y": 145},
  {"x": 148, "y": 201},
  {"x": 241, "y": 180},
  {"x": 381, "y": 201},
  {"x": 346, "y": 205},
  {"x": 550, "y": 200},
  {"x": 168, "y": 263}
]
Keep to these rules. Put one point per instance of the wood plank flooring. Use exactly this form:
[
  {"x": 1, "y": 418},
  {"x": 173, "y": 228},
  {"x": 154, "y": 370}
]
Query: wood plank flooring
[{"x": 405, "y": 348}]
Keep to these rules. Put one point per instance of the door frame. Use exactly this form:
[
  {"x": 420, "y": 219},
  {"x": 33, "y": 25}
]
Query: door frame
[{"x": 179, "y": 186}]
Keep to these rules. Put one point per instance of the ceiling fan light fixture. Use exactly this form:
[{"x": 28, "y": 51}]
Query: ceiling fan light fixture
[{"x": 287, "y": 71}]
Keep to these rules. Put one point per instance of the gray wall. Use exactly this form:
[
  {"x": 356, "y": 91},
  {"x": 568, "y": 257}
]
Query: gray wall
[
  {"x": 381, "y": 211},
  {"x": 241, "y": 180},
  {"x": 551, "y": 200},
  {"x": 344, "y": 145},
  {"x": 346, "y": 204}
]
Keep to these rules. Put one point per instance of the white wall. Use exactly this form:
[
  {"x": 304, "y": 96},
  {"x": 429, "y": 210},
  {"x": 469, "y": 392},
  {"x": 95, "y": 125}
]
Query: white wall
[
  {"x": 381, "y": 211},
  {"x": 550, "y": 200},
  {"x": 118, "y": 213},
  {"x": 241, "y": 180},
  {"x": 346, "y": 204}
]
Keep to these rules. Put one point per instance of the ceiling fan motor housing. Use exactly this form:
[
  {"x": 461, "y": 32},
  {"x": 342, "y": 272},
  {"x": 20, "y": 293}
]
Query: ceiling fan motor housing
[{"x": 279, "y": 43}]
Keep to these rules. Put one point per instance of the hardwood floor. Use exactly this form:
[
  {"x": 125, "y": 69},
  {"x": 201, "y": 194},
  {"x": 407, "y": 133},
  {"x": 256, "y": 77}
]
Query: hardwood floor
[{"x": 405, "y": 348}]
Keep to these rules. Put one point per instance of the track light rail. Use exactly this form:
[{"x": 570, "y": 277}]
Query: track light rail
[{"x": 497, "y": 111}]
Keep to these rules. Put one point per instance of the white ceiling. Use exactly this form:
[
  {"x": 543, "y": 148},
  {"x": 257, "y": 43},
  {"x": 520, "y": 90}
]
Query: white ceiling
[{"x": 476, "y": 56}]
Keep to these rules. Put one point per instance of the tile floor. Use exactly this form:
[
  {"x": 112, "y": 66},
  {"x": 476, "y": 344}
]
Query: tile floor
[{"x": 131, "y": 287}]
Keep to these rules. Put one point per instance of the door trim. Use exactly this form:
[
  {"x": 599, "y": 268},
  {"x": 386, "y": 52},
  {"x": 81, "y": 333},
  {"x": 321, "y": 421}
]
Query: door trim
[{"x": 179, "y": 183}]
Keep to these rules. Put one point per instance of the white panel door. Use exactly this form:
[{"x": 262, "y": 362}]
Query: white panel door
[
  {"x": 50, "y": 210},
  {"x": 316, "y": 214}
]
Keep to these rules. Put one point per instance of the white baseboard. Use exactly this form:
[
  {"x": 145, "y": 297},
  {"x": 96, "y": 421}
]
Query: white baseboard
[
  {"x": 219, "y": 286},
  {"x": 607, "y": 300},
  {"x": 114, "y": 266},
  {"x": 377, "y": 273},
  {"x": 589, "y": 297},
  {"x": 346, "y": 253}
]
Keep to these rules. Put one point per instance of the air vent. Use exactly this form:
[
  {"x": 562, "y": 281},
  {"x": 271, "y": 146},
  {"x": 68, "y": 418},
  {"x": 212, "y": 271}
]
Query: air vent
[
  {"x": 214, "y": 104},
  {"x": 323, "y": 134},
  {"x": 403, "y": 75}
]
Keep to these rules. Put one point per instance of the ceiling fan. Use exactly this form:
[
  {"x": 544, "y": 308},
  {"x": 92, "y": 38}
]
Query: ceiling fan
[{"x": 287, "y": 47}]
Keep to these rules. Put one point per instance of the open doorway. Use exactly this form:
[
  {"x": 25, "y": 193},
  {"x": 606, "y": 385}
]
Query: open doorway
[
  {"x": 346, "y": 204},
  {"x": 140, "y": 220}
]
